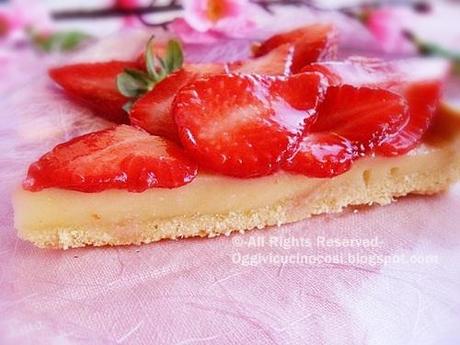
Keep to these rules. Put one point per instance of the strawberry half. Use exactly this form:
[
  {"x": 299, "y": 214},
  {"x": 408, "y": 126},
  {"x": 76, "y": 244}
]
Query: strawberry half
[
  {"x": 363, "y": 115},
  {"x": 423, "y": 99},
  {"x": 418, "y": 80},
  {"x": 372, "y": 72},
  {"x": 321, "y": 155},
  {"x": 95, "y": 85},
  {"x": 119, "y": 158},
  {"x": 366, "y": 72},
  {"x": 245, "y": 125},
  {"x": 311, "y": 43},
  {"x": 152, "y": 111},
  {"x": 276, "y": 62}
]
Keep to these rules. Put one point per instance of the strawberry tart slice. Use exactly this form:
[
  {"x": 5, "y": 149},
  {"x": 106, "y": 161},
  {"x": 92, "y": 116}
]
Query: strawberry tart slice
[{"x": 207, "y": 149}]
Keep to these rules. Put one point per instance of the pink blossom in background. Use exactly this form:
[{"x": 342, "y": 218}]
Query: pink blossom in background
[
  {"x": 22, "y": 15},
  {"x": 387, "y": 25},
  {"x": 131, "y": 21},
  {"x": 4, "y": 23},
  {"x": 181, "y": 28},
  {"x": 210, "y": 20},
  {"x": 8, "y": 23},
  {"x": 126, "y": 4},
  {"x": 203, "y": 15}
]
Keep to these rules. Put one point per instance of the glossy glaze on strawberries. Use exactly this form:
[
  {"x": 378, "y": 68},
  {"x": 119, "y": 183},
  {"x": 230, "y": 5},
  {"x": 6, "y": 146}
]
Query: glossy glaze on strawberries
[
  {"x": 153, "y": 112},
  {"x": 120, "y": 158},
  {"x": 362, "y": 115},
  {"x": 419, "y": 81},
  {"x": 321, "y": 155},
  {"x": 284, "y": 109},
  {"x": 311, "y": 43},
  {"x": 245, "y": 126}
]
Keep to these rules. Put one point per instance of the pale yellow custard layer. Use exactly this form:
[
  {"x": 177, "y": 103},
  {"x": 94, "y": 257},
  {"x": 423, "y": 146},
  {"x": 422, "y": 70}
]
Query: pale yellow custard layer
[{"x": 212, "y": 205}]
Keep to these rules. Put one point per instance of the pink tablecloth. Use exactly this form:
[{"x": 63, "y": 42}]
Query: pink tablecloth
[{"x": 242, "y": 289}]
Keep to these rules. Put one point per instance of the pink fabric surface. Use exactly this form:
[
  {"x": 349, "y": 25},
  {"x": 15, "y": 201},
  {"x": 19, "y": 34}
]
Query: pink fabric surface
[{"x": 201, "y": 291}]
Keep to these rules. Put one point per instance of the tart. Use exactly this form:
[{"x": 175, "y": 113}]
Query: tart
[{"x": 215, "y": 148}]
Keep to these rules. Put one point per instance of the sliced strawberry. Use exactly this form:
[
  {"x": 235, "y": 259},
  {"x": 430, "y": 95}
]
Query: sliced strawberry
[
  {"x": 311, "y": 43},
  {"x": 276, "y": 62},
  {"x": 423, "y": 99},
  {"x": 245, "y": 125},
  {"x": 418, "y": 80},
  {"x": 119, "y": 158},
  {"x": 204, "y": 69},
  {"x": 371, "y": 72},
  {"x": 152, "y": 111},
  {"x": 95, "y": 85},
  {"x": 363, "y": 72},
  {"x": 321, "y": 155},
  {"x": 364, "y": 116}
]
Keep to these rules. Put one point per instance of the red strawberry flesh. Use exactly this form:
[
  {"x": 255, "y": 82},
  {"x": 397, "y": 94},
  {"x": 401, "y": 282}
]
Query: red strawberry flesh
[
  {"x": 423, "y": 99},
  {"x": 120, "y": 158},
  {"x": 372, "y": 72},
  {"x": 244, "y": 125},
  {"x": 364, "y": 116},
  {"x": 152, "y": 111},
  {"x": 321, "y": 155},
  {"x": 276, "y": 62},
  {"x": 311, "y": 43},
  {"x": 418, "y": 80},
  {"x": 95, "y": 85}
]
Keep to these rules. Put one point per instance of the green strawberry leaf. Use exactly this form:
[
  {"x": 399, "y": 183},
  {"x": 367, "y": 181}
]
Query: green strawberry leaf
[
  {"x": 141, "y": 76},
  {"x": 61, "y": 41},
  {"x": 150, "y": 58},
  {"x": 133, "y": 83},
  {"x": 174, "y": 56},
  {"x": 127, "y": 106}
]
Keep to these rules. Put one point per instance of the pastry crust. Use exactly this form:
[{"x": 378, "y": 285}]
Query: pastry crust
[
  {"x": 212, "y": 205},
  {"x": 372, "y": 180}
]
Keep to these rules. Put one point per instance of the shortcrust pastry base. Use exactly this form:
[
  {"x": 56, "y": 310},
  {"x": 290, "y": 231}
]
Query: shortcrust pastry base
[
  {"x": 372, "y": 180},
  {"x": 213, "y": 205}
]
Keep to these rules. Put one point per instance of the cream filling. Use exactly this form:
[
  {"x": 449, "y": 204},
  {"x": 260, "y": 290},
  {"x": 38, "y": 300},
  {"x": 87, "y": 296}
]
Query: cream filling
[{"x": 207, "y": 194}]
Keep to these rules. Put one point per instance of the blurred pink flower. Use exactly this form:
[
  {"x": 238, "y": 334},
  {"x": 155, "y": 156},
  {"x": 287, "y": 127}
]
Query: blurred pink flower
[
  {"x": 22, "y": 15},
  {"x": 188, "y": 34},
  {"x": 127, "y": 4},
  {"x": 210, "y": 20},
  {"x": 5, "y": 23},
  {"x": 387, "y": 26},
  {"x": 133, "y": 20}
]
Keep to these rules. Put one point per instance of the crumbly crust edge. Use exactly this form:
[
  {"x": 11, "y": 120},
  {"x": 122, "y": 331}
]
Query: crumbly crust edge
[{"x": 327, "y": 199}]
